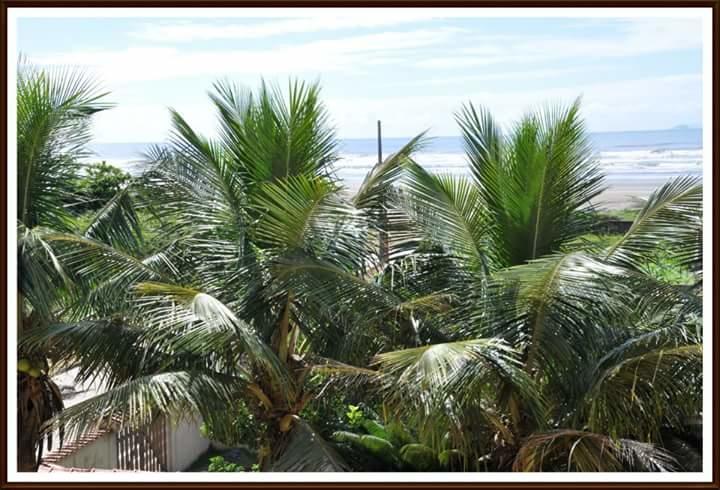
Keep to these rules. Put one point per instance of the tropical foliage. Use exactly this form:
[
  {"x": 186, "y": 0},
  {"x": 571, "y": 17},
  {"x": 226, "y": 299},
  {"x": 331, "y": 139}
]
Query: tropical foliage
[
  {"x": 98, "y": 184},
  {"x": 556, "y": 357},
  {"x": 54, "y": 109},
  {"x": 468, "y": 311}
]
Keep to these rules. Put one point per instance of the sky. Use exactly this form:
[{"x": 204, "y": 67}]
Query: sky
[{"x": 412, "y": 69}]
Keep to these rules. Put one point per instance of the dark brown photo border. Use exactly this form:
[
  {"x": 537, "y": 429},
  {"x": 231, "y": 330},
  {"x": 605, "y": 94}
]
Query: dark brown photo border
[{"x": 715, "y": 223}]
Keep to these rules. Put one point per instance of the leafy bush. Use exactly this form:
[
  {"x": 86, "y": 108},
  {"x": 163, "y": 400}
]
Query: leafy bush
[
  {"x": 237, "y": 426},
  {"x": 664, "y": 266},
  {"x": 218, "y": 464},
  {"x": 419, "y": 457},
  {"x": 99, "y": 184},
  {"x": 330, "y": 413},
  {"x": 372, "y": 446},
  {"x": 355, "y": 415}
]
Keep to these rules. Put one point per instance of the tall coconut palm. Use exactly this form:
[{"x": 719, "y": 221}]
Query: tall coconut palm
[
  {"x": 265, "y": 268},
  {"x": 54, "y": 110},
  {"x": 609, "y": 357}
]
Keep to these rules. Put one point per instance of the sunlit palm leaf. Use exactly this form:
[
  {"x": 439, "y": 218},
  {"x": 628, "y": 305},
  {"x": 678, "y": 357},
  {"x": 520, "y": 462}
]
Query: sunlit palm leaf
[
  {"x": 135, "y": 403},
  {"x": 299, "y": 213},
  {"x": 450, "y": 212},
  {"x": 383, "y": 175},
  {"x": 671, "y": 217},
  {"x": 536, "y": 182},
  {"x": 117, "y": 224},
  {"x": 575, "y": 450},
  {"x": 54, "y": 110},
  {"x": 272, "y": 135}
]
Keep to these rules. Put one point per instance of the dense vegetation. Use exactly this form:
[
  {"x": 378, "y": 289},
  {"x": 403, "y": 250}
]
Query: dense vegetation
[
  {"x": 422, "y": 322},
  {"x": 99, "y": 183}
]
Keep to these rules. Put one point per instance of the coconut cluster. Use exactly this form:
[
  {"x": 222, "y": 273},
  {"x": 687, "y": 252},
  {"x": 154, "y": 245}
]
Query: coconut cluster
[{"x": 26, "y": 366}]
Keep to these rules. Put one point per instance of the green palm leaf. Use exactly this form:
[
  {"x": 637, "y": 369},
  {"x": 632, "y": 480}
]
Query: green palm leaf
[
  {"x": 449, "y": 211},
  {"x": 272, "y": 135},
  {"x": 586, "y": 451},
  {"x": 306, "y": 450},
  {"x": 383, "y": 175},
  {"x": 117, "y": 224},
  {"x": 670, "y": 218},
  {"x": 137, "y": 402},
  {"x": 54, "y": 110},
  {"x": 536, "y": 183},
  {"x": 299, "y": 212}
]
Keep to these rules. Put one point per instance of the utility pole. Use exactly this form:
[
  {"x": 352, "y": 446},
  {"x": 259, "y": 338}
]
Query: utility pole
[
  {"x": 383, "y": 249},
  {"x": 379, "y": 142}
]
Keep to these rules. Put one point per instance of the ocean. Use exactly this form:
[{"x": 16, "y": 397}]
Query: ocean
[{"x": 637, "y": 158}]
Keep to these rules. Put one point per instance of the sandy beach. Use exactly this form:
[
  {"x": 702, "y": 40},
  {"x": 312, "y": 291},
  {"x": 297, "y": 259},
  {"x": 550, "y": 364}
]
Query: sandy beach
[
  {"x": 623, "y": 194},
  {"x": 626, "y": 195}
]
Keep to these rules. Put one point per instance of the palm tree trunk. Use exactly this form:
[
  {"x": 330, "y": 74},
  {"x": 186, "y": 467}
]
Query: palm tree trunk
[
  {"x": 284, "y": 330},
  {"x": 26, "y": 430}
]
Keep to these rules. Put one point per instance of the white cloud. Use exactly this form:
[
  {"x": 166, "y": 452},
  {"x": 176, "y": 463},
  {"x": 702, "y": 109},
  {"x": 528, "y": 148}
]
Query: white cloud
[
  {"x": 650, "y": 103},
  {"x": 615, "y": 106},
  {"x": 349, "y": 54},
  {"x": 639, "y": 37},
  {"x": 513, "y": 75},
  {"x": 148, "y": 122},
  {"x": 197, "y": 31}
]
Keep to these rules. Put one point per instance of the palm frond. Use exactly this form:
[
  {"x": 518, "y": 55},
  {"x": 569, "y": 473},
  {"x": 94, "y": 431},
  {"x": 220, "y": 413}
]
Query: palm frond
[
  {"x": 54, "y": 110},
  {"x": 136, "y": 403},
  {"x": 384, "y": 174},
  {"x": 42, "y": 275},
  {"x": 559, "y": 298},
  {"x": 638, "y": 391},
  {"x": 449, "y": 211},
  {"x": 432, "y": 377},
  {"x": 117, "y": 224},
  {"x": 306, "y": 450},
  {"x": 573, "y": 450},
  {"x": 298, "y": 212},
  {"x": 537, "y": 182},
  {"x": 670, "y": 218},
  {"x": 272, "y": 134}
]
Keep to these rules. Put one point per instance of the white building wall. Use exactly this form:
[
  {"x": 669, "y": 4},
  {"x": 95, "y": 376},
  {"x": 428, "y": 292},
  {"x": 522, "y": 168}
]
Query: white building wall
[
  {"x": 101, "y": 453},
  {"x": 185, "y": 443}
]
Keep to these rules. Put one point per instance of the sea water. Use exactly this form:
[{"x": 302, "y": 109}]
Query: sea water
[{"x": 627, "y": 157}]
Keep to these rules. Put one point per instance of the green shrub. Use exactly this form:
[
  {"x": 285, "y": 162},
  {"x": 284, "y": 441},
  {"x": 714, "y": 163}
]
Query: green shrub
[
  {"x": 419, "y": 457},
  {"x": 355, "y": 416},
  {"x": 374, "y": 428},
  {"x": 664, "y": 267},
  {"x": 218, "y": 464},
  {"x": 234, "y": 427},
  {"x": 99, "y": 184},
  {"x": 451, "y": 459}
]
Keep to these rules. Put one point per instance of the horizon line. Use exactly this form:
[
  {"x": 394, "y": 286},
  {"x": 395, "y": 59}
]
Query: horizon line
[{"x": 679, "y": 127}]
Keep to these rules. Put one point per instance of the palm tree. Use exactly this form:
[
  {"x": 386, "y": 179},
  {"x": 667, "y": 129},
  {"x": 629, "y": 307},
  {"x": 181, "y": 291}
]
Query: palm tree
[
  {"x": 553, "y": 353},
  {"x": 54, "y": 109},
  {"x": 265, "y": 266},
  {"x": 522, "y": 340}
]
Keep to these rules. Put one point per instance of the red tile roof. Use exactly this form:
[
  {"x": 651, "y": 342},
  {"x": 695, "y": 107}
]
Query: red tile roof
[
  {"x": 49, "y": 468},
  {"x": 71, "y": 447}
]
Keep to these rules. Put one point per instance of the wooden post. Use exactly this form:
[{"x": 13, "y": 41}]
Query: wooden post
[
  {"x": 379, "y": 127},
  {"x": 383, "y": 246}
]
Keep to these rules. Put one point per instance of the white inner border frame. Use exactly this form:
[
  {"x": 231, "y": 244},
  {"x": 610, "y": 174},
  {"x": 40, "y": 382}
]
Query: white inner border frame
[{"x": 704, "y": 14}]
